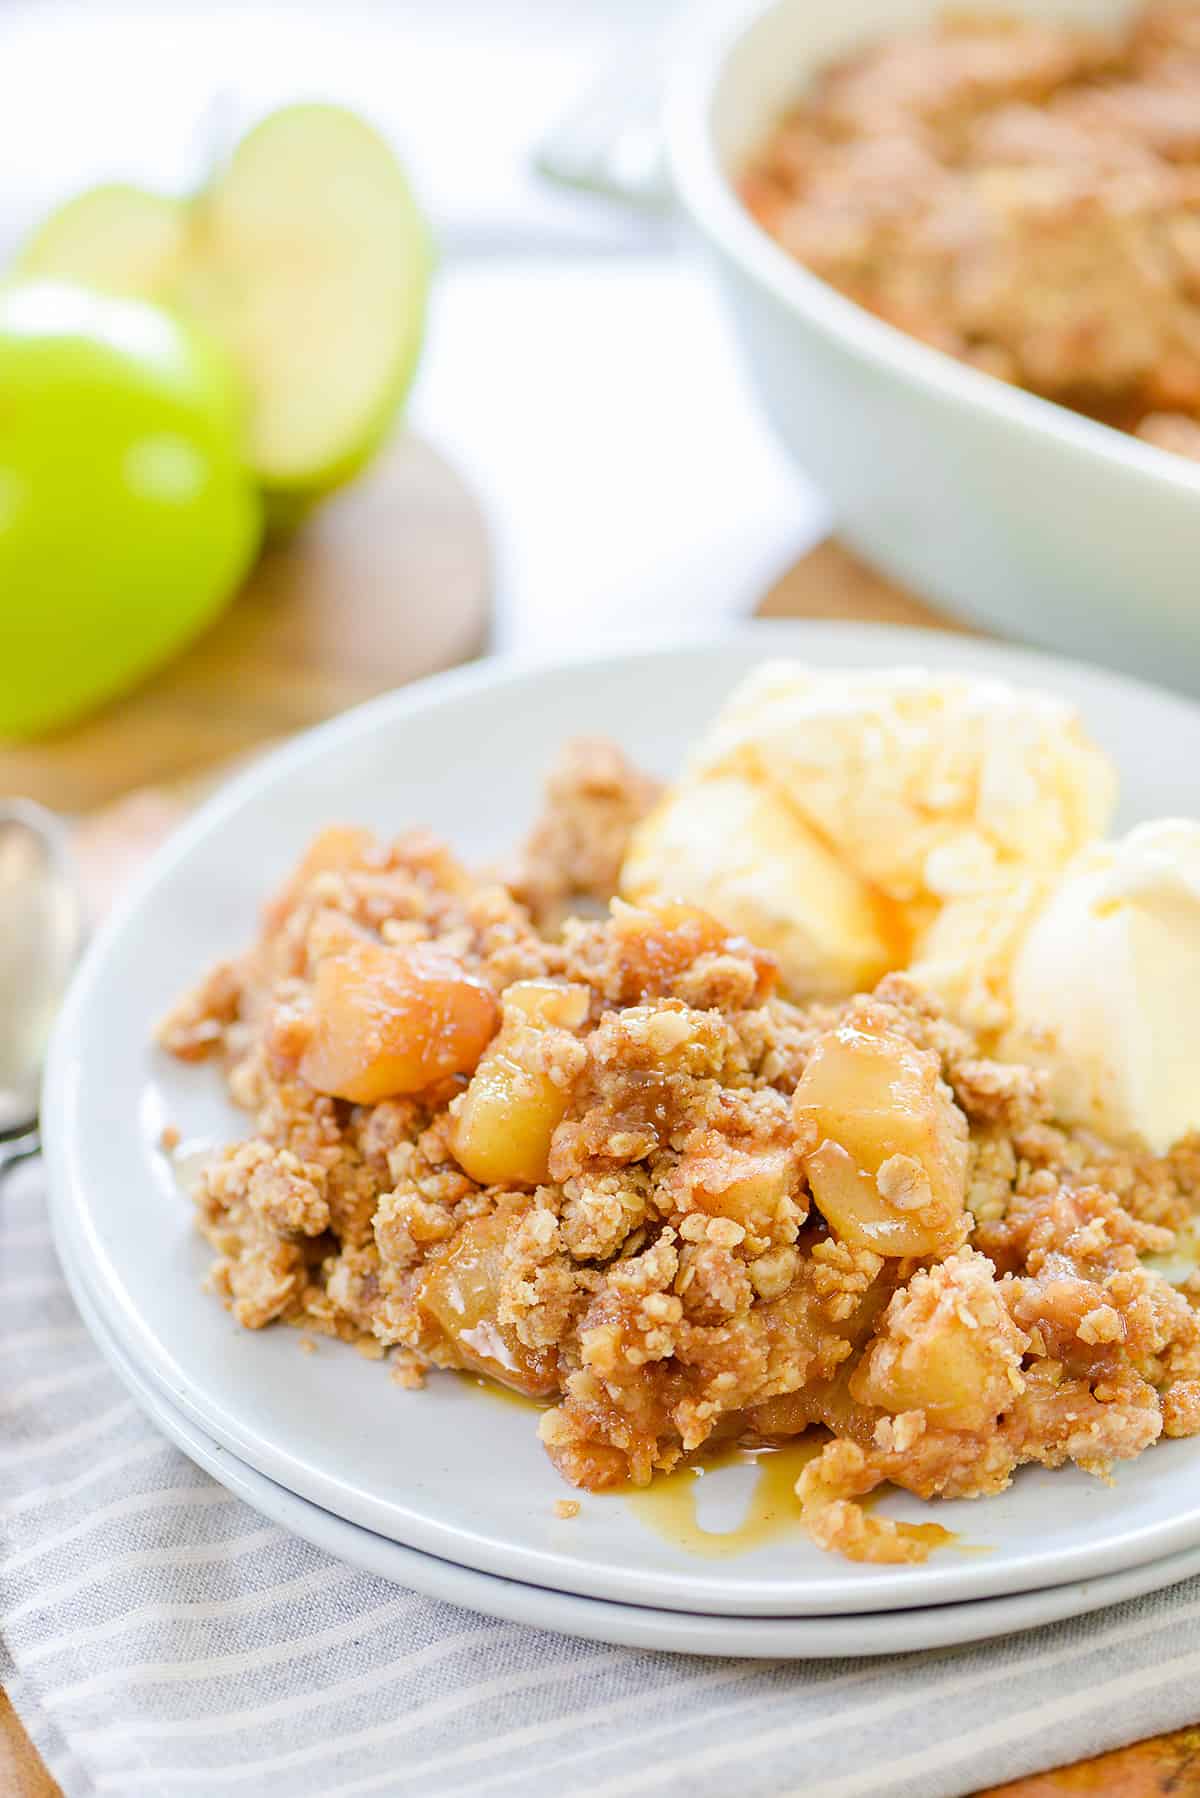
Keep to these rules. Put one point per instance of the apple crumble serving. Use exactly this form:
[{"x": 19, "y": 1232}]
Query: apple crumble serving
[
  {"x": 1023, "y": 194},
  {"x": 603, "y": 1161}
]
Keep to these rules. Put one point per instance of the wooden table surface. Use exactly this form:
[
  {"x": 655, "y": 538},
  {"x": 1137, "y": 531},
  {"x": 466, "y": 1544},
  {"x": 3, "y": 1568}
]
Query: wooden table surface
[{"x": 304, "y": 644}]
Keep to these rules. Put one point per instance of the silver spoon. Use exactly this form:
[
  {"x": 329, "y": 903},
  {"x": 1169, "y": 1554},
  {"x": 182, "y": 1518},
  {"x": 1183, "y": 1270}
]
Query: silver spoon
[{"x": 41, "y": 928}]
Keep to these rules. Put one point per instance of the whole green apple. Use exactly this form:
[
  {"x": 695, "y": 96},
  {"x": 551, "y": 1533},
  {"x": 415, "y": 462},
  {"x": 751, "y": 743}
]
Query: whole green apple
[{"x": 127, "y": 519}]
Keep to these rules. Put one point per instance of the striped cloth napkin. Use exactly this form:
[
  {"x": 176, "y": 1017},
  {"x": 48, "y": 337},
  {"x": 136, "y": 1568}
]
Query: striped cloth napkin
[{"x": 159, "y": 1639}]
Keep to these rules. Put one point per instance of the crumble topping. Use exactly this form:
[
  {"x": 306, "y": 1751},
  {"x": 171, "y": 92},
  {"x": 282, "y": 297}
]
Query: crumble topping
[
  {"x": 666, "y": 1200},
  {"x": 594, "y": 797}
]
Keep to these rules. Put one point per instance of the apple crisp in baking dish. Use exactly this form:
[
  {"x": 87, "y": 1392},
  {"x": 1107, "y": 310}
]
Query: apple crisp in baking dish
[{"x": 1023, "y": 194}]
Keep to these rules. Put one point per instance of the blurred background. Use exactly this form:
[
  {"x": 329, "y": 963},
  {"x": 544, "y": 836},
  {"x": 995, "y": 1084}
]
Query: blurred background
[
  {"x": 576, "y": 371},
  {"x": 338, "y": 345}
]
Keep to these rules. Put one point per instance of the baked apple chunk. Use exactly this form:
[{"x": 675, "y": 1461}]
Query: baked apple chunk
[
  {"x": 387, "y": 1021},
  {"x": 883, "y": 1142},
  {"x": 460, "y": 1299},
  {"x": 947, "y": 1346},
  {"x": 502, "y": 1125}
]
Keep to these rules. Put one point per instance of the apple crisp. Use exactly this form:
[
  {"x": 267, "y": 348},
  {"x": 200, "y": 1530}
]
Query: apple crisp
[
  {"x": 1023, "y": 194},
  {"x": 601, "y": 1160}
]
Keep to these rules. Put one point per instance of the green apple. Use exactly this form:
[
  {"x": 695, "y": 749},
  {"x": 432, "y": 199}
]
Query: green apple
[
  {"x": 306, "y": 257},
  {"x": 310, "y": 259},
  {"x": 119, "y": 238},
  {"x": 127, "y": 518}
]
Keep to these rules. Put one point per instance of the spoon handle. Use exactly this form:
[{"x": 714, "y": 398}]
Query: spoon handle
[{"x": 19, "y": 1148}]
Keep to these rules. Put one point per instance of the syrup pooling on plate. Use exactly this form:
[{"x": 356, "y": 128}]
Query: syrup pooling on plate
[
  {"x": 503, "y": 1395},
  {"x": 671, "y": 1505}
]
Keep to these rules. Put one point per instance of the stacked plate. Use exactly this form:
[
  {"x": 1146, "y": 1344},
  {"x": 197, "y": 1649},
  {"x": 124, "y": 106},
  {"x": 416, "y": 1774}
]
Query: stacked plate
[{"x": 446, "y": 1490}]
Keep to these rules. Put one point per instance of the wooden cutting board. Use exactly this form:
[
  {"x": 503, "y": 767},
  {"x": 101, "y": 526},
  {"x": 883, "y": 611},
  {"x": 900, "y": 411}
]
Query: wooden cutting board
[{"x": 391, "y": 583}]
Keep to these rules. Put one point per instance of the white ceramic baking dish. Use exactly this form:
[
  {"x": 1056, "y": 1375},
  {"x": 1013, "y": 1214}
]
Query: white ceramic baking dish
[{"x": 1004, "y": 507}]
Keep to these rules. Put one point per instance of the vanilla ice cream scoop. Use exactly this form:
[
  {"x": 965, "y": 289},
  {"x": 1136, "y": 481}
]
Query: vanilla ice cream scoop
[
  {"x": 926, "y": 785},
  {"x": 965, "y": 955},
  {"x": 834, "y": 815},
  {"x": 734, "y": 846},
  {"x": 1105, "y": 987}
]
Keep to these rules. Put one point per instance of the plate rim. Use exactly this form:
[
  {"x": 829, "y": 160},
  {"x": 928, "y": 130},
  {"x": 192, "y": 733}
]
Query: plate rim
[{"x": 891, "y": 1590}]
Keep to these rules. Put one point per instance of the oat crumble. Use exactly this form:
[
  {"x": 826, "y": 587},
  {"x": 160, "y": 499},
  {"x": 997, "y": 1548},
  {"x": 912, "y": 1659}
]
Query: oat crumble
[{"x": 602, "y": 1161}]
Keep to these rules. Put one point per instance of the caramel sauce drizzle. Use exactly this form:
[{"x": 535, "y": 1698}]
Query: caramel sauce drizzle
[{"x": 669, "y": 1505}]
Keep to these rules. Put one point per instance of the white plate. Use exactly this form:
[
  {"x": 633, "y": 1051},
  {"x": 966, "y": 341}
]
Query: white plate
[
  {"x": 628, "y": 1625},
  {"x": 445, "y": 1470}
]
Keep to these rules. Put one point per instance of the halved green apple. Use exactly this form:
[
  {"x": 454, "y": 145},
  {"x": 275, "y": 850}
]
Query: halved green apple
[
  {"x": 117, "y": 238},
  {"x": 310, "y": 260},
  {"x": 306, "y": 257}
]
